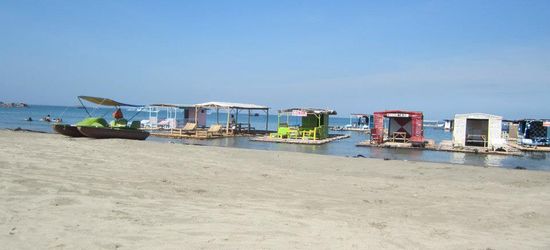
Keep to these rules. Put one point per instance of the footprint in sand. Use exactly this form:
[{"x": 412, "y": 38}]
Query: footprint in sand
[
  {"x": 199, "y": 191},
  {"x": 530, "y": 215},
  {"x": 378, "y": 225},
  {"x": 63, "y": 201}
]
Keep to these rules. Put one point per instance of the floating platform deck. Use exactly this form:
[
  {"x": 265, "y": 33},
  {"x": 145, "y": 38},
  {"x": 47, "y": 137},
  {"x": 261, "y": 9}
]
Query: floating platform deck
[
  {"x": 528, "y": 148},
  {"x": 406, "y": 145},
  {"x": 186, "y": 136},
  {"x": 203, "y": 136},
  {"x": 448, "y": 146},
  {"x": 445, "y": 146},
  {"x": 300, "y": 141},
  {"x": 351, "y": 129}
]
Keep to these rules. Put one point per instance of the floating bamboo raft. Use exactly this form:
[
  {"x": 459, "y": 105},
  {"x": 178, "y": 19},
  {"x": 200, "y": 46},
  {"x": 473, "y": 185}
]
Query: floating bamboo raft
[
  {"x": 406, "y": 145},
  {"x": 201, "y": 136},
  {"x": 448, "y": 146},
  {"x": 445, "y": 146},
  {"x": 367, "y": 131},
  {"x": 300, "y": 141},
  {"x": 186, "y": 136},
  {"x": 528, "y": 149}
]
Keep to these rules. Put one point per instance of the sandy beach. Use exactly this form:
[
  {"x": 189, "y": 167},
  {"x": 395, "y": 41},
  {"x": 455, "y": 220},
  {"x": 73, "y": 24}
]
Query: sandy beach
[{"x": 78, "y": 193}]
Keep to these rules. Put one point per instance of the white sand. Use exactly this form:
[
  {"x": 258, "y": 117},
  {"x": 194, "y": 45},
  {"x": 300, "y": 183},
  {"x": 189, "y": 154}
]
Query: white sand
[{"x": 59, "y": 192}]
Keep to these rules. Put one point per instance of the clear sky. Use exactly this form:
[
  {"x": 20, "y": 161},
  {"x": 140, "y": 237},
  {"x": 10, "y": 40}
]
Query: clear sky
[{"x": 439, "y": 57}]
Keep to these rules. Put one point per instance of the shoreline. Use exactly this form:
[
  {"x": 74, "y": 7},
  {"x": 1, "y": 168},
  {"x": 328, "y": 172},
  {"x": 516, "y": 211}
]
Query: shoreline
[
  {"x": 167, "y": 140},
  {"x": 60, "y": 192}
]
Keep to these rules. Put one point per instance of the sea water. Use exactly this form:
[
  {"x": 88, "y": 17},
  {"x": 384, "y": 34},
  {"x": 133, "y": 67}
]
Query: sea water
[{"x": 15, "y": 117}]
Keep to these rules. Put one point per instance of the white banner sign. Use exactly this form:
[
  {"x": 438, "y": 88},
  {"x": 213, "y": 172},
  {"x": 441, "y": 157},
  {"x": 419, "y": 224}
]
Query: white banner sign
[
  {"x": 397, "y": 115},
  {"x": 299, "y": 113}
]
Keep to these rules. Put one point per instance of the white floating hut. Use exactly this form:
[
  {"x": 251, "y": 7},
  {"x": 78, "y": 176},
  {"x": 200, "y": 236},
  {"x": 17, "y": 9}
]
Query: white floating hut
[
  {"x": 478, "y": 129},
  {"x": 174, "y": 116}
]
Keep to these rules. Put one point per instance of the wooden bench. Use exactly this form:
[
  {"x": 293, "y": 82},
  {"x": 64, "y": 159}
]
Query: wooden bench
[
  {"x": 399, "y": 136},
  {"x": 477, "y": 139},
  {"x": 188, "y": 129},
  {"x": 214, "y": 130}
]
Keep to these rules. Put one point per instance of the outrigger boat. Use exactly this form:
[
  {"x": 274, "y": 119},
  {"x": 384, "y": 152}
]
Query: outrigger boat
[{"x": 97, "y": 127}]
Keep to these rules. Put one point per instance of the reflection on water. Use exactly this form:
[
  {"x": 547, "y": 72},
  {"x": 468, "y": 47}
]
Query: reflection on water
[
  {"x": 494, "y": 160},
  {"x": 537, "y": 155},
  {"x": 458, "y": 158},
  {"x": 347, "y": 148},
  {"x": 12, "y": 118}
]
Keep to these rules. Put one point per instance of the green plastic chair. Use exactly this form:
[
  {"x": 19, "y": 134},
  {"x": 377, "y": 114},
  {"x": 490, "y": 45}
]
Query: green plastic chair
[
  {"x": 135, "y": 124},
  {"x": 119, "y": 123},
  {"x": 97, "y": 122},
  {"x": 282, "y": 132}
]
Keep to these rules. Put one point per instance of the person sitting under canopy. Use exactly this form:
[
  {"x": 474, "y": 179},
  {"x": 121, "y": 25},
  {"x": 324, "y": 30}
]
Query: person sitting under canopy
[{"x": 119, "y": 120}]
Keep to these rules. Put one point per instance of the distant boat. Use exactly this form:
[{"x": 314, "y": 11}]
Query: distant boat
[
  {"x": 135, "y": 109},
  {"x": 448, "y": 125},
  {"x": 13, "y": 105},
  {"x": 357, "y": 122},
  {"x": 433, "y": 124}
]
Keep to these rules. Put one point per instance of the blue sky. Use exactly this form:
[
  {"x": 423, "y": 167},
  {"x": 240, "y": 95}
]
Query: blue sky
[{"x": 439, "y": 57}]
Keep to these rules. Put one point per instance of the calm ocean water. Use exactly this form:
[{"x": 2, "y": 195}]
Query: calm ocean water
[{"x": 15, "y": 117}]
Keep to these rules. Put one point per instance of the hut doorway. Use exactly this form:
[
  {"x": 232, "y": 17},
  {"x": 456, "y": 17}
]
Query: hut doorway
[
  {"x": 477, "y": 132},
  {"x": 397, "y": 126},
  {"x": 400, "y": 128}
]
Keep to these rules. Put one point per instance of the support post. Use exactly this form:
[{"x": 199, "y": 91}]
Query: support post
[
  {"x": 267, "y": 121},
  {"x": 278, "y": 120},
  {"x": 249, "y": 121},
  {"x": 85, "y": 109},
  {"x": 227, "y": 124},
  {"x": 175, "y": 117},
  {"x": 197, "y": 116},
  {"x": 319, "y": 126}
]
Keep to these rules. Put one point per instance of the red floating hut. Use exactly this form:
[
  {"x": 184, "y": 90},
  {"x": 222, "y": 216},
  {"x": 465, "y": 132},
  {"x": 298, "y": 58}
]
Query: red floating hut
[{"x": 404, "y": 126}]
